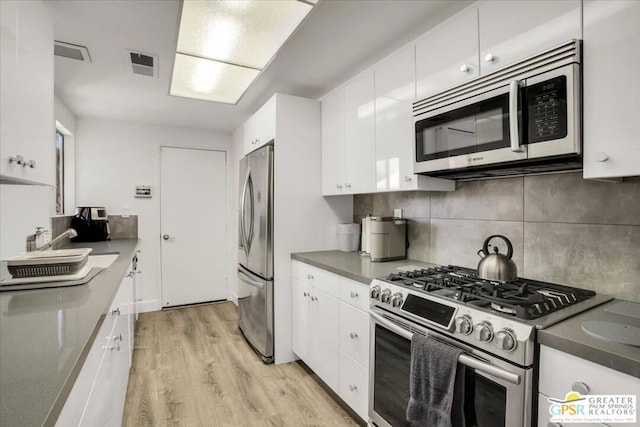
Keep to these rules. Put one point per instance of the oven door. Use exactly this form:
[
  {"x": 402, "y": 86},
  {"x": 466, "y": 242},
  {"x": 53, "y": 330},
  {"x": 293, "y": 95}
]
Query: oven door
[
  {"x": 497, "y": 392},
  {"x": 483, "y": 129}
]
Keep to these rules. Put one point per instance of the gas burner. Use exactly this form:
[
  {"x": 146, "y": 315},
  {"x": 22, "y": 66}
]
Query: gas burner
[{"x": 522, "y": 298}]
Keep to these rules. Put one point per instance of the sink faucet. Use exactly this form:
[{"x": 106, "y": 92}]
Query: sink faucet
[{"x": 69, "y": 233}]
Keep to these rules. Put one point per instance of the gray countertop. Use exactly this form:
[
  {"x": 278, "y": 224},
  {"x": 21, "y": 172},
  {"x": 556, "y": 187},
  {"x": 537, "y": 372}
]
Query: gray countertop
[
  {"x": 566, "y": 336},
  {"x": 45, "y": 335},
  {"x": 569, "y": 337},
  {"x": 354, "y": 266}
]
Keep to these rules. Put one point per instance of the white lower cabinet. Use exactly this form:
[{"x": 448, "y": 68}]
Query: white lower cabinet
[
  {"x": 561, "y": 373},
  {"x": 331, "y": 331},
  {"x": 98, "y": 394}
]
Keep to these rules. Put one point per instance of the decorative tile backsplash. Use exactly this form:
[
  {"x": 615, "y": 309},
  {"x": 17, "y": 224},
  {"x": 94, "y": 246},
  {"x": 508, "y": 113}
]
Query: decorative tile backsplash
[{"x": 564, "y": 229}]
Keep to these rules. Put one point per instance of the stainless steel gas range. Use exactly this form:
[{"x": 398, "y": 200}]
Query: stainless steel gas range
[{"x": 494, "y": 323}]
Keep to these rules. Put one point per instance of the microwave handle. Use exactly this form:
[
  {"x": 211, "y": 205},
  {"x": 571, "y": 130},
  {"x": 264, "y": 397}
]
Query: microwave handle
[{"x": 514, "y": 132}]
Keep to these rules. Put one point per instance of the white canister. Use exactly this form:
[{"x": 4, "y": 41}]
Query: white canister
[{"x": 348, "y": 237}]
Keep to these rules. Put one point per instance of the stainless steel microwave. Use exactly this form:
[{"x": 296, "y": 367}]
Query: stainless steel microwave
[{"x": 522, "y": 119}]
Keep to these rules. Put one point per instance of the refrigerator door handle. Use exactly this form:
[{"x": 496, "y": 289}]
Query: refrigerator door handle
[
  {"x": 249, "y": 238},
  {"x": 246, "y": 279},
  {"x": 243, "y": 233}
]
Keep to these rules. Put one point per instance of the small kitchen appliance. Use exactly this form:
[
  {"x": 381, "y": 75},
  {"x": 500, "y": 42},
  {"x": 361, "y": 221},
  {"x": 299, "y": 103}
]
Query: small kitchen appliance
[
  {"x": 91, "y": 224},
  {"x": 387, "y": 239},
  {"x": 493, "y": 322}
]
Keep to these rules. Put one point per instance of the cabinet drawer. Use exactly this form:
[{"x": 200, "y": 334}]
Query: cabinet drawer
[
  {"x": 559, "y": 370},
  {"x": 354, "y": 385},
  {"x": 354, "y": 334},
  {"x": 354, "y": 293},
  {"x": 324, "y": 281},
  {"x": 300, "y": 271}
]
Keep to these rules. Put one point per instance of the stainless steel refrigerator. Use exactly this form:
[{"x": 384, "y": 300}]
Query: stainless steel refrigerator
[{"x": 255, "y": 252}]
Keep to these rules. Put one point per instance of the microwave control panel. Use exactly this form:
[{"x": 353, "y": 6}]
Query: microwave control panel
[{"x": 547, "y": 110}]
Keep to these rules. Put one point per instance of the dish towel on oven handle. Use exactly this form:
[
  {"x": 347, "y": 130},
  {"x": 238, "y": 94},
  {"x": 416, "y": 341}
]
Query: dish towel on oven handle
[{"x": 436, "y": 384}]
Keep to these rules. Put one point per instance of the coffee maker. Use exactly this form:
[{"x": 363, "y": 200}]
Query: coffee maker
[{"x": 91, "y": 224}]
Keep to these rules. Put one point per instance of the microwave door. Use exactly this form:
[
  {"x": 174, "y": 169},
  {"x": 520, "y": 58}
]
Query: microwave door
[
  {"x": 473, "y": 132},
  {"x": 553, "y": 113}
]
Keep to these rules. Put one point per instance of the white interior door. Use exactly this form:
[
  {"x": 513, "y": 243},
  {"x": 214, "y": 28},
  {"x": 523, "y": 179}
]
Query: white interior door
[{"x": 193, "y": 222}]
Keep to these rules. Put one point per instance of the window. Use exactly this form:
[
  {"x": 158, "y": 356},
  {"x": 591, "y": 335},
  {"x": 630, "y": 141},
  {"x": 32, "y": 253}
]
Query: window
[{"x": 59, "y": 173}]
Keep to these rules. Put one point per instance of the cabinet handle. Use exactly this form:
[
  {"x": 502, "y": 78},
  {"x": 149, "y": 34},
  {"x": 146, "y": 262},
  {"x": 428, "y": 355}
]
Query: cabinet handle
[
  {"x": 602, "y": 156},
  {"x": 30, "y": 163},
  {"x": 407, "y": 179},
  {"x": 354, "y": 295},
  {"x": 490, "y": 58},
  {"x": 305, "y": 294},
  {"x": 353, "y": 387},
  {"x": 580, "y": 387},
  {"x": 353, "y": 335},
  {"x": 117, "y": 338},
  {"x": 115, "y": 346},
  {"x": 347, "y": 185},
  {"x": 19, "y": 160},
  {"x": 339, "y": 187},
  {"x": 465, "y": 68},
  {"x": 116, "y": 311},
  {"x": 314, "y": 298}
]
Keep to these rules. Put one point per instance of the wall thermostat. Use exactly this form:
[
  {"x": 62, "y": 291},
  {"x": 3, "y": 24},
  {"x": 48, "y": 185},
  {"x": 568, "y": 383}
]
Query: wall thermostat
[{"x": 143, "y": 191}]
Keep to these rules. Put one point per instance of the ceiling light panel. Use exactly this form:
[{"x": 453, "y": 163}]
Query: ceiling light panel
[
  {"x": 209, "y": 80},
  {"x": 243, "y": 32}
]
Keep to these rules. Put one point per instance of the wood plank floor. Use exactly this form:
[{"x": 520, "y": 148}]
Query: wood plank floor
[{"x": 192, "y": 367}]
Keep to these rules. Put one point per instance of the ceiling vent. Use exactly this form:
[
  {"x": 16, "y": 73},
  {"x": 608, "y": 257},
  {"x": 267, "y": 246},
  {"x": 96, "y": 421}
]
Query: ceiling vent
[
  {"x": 142, "y": 63},
  {"x": 71, "y": 51}
]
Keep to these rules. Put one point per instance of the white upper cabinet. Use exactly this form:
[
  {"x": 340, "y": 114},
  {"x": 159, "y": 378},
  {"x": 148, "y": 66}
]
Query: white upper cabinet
[
  {"x": 513, "y": 30},
  {"x": 611, "y": 92},
  {"x": 27, "y": 126},
  {"x": 333, "y": 143},
  {"x": 261, "y": 127},
  {"x": 359, "y": 127},
  {"x": 394, "y": 135},
  {"x": 448, "y": 55}
]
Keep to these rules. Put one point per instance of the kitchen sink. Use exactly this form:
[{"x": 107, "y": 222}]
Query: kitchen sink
[{"x": 102, "y": 261}]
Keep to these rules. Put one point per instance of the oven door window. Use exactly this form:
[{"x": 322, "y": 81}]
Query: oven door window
[
  {"x": 478, "y": 127},
  {"x": 485, "y": 400}
]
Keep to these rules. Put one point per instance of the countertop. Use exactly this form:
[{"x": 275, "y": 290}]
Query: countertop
[
  {"x": 354, "y": 266},
  {"x": 569, "y": 337},
  {"x": 566, "y": 336},
  {"x": 45, "y": 335}
]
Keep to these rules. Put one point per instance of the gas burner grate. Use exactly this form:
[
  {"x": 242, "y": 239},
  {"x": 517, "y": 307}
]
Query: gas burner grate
[{"x": 523, "y": 298}]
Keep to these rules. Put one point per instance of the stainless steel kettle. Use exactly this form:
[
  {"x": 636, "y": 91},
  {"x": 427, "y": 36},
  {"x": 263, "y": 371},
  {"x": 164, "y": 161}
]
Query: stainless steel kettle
[{"x": 497, "y": 266}]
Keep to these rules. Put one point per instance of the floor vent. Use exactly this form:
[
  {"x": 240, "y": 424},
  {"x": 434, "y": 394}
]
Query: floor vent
[
  {"x": 142, "y": 63},
  {"x": 71, "y": 51}
]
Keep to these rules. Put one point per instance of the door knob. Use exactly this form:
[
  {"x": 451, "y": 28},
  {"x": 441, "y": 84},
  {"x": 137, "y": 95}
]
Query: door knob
[{"x": 166, "y": 237}]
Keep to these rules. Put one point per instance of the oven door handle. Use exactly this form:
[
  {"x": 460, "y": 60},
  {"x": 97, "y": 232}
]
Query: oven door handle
[{"x": 464, "y": 358}]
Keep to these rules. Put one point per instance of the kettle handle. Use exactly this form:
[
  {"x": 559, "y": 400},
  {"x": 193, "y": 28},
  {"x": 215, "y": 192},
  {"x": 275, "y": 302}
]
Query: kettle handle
[{"x": 485, "y": 246}]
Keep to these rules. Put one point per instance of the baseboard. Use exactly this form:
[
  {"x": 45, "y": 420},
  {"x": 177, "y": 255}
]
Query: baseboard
[{"x": 148, "y": 305}]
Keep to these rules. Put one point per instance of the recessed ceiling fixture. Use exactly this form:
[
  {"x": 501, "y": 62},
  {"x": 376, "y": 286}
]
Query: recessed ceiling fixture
[
  {"x": 71, "y": 51},
  {"x": 223, "y": 45}
]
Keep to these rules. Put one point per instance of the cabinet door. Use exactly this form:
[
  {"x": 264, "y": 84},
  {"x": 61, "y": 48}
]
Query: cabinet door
[
  {"x": 359, "y": 127},
  {"x": 354, "y": 385},
  {"x": 333, "y": 143},
  {"x": 447, "y": 55},
  {"x": 102, "y": 403},
  {"x": 611, "y": 92},
  {"x": 9, "y": 87},
  {"x": 513, "y": 30},
  {"x": 324, "y": 347},
  {"x": 395, "y": 91},
  {"x": 249, "y": 135},
  {"x": 354, "y": 334},
  {"x": 261, "y": 127},
  {"x": 300, "y": 337}
]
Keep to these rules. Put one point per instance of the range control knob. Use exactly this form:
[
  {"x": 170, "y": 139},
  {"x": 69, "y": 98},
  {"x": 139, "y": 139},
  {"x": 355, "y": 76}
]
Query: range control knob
[
  {"x": 506, "y": 340},
  {"x": 464, "y": 325},
  {"x": 396, "y": 299},
  {"x": 385, "y": 296},
  {"x": 375, "y": 292},
  {"x": 484, "y": 332}
]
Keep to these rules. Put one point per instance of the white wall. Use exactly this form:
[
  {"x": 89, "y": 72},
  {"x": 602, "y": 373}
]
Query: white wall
[
  {"x": 66, "y": 124},
  {"x": 111, "y": 159}
]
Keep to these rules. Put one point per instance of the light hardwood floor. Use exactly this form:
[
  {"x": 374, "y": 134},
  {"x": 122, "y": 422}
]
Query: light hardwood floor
[{"x": 192, "y": 367}]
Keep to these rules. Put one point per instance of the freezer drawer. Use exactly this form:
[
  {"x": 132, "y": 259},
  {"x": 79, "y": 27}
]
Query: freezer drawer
[{"x": 255, "y": 312}]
